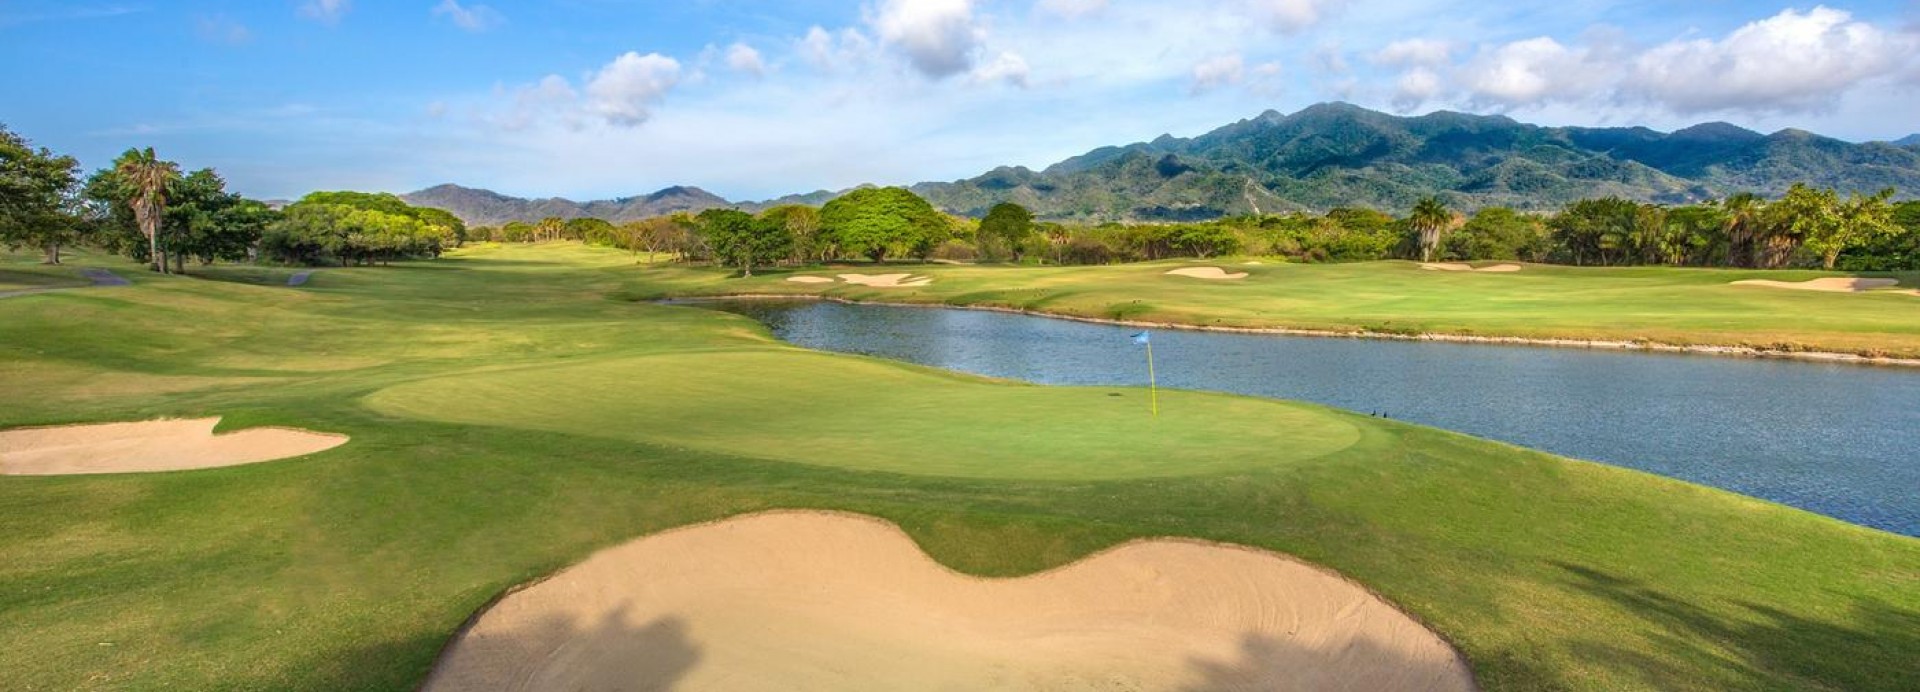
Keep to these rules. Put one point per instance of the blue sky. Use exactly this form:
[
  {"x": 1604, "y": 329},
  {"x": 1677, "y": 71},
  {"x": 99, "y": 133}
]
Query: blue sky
[{"x": 602, "y": 98}]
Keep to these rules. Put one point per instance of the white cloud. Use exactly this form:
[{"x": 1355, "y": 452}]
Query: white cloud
[
  {"x": 831, "y": 51},
  {"x": 220, "y": 28},
  {"x": 1415, "y": 88},
  {"x": 1072, "y": 9},
  {"x": 1530, "y": 72},
  {"x": 1790, "y": 62},
  {"x": 1218, "y": 71},
  {"x": 475, "y": 18},
  {"x": 625, "y": 90},
  {"x": 743, "y": 58},
  {"x": 1415, "y": 51},
  {"x": 1289, "y": 16},
  {"x": 325, "y": 11},
  {"x": 938, "y": 37},
  {"x": 1008, "y": 67}
]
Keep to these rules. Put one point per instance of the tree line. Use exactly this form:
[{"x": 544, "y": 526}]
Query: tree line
[{"x": 145, "y": 207}]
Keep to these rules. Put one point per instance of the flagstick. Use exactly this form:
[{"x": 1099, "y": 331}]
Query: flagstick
[{"x": 1153, "y": 386}]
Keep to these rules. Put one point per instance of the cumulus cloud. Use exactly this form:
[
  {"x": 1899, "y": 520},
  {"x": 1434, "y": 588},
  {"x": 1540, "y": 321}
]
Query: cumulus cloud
[
  {"x": 475, "y": 18},
  {"x": 531, "y": 102},
  {"x": 325, "y": 11},
  {"x": 1288, "y": 16},
  {"x": 1414, "y": 88},
  {"x": 1415, "y": 51},
  {"x": 744, "y": 59},
  {"x": 1218, "y": 71},
  {"x": 1790, "y": 62},
  {"x": 1532, "y": 71},
  {"x": 1072, "y": 9},
  {"x": 625, "y": 90},
  {"x": 1008, "y": 67},
  {"x": 833, "y": 51},
  {"x": 939, "y": 38}
]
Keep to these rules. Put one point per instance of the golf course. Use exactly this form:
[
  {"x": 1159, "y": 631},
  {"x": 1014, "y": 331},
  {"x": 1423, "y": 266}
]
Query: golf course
[{"x": 498, "y": 425}]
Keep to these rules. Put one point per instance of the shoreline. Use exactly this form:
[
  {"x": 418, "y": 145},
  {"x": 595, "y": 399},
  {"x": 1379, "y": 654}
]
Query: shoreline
[{"x": 1833, "y": 357}]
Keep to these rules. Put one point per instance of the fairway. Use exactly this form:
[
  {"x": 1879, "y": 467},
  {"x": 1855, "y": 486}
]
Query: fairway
[
  {"x": 1684, "y": 307},
  {"x": 853, "y": 413},
  {"x": 512, "y": 411}
]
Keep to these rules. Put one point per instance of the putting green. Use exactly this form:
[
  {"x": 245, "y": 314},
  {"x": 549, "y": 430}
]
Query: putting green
[{"x": 809, "y": 408}]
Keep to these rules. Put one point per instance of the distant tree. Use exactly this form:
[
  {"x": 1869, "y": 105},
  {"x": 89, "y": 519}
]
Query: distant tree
[
  {"x": 516, "y": 232},
  {"x": 652, "y": 235},
  {"x": 876, "y": 221},
  {"x": 1009, "y": 225},
  {"x": 1695, "y": 235},
  {"x": 1430, "y": 218},
  {"x": 1855, "y": 222},
  {"x": 1593, "y": 230},
  {"x": 36, "y": 195},
  {"x": 1205, "y": 240},
  {"x": 802, "y": 224},
  {"x": 205, "y": 221},
  {"x": 1745, "y": 223},
  {"x": 741, "y": 240},
  {"x": 145, "y": 179},
  {"x": 1499, "y": 233},
  {"x": 1804, "y": 213},
  {"x": 550, "y": 228}
]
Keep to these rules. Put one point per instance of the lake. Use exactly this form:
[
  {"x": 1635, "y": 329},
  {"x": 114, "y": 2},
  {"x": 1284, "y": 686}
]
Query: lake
[{"x": 1840, "y": 440}]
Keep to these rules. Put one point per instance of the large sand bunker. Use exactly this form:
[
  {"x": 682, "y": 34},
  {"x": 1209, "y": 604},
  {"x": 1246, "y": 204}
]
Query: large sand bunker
[
  {"x": 1829, "y": 285},
  {"x": 1464, "y": 267},
  {"x": 1207, "y": 273},
  {"x": 817, "y": 601},
  {"x": 160, "y": 445},
  {"x": 811, "y": 279},
  {"x": 886, "y": 280}
]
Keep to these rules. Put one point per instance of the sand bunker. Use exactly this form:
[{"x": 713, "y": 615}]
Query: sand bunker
[
  {"x": 160, "y": 445},
  {"x": 1464, "y": 267},
  {"x": 817, "y": 601},
  {"x": 811, "y": 279},
  {"x": 1832, "y": 285},
  {"x": 886, "y": 280},
  {"x": 1207, "y": 273}
]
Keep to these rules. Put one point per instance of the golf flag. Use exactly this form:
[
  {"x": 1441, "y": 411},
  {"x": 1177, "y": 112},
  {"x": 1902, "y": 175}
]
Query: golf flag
[{"x": 1153, "y": 386}]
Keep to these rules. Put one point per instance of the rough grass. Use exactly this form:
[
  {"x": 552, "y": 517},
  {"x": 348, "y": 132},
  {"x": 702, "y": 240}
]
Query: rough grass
[
  {"x": 348, "y": 569},
  {"x": 1659, "y": 304}
]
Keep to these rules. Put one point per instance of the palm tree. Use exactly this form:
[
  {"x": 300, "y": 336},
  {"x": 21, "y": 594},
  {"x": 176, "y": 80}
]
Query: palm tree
[
  {"x": 144, "y": 179},
  {"x": 1430, "y": 217},
  {"x": 1744, "y": 222}
]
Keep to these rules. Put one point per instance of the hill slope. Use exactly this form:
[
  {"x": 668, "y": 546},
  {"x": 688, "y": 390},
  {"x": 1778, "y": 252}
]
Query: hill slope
[{"x": 1337, "y": 154}]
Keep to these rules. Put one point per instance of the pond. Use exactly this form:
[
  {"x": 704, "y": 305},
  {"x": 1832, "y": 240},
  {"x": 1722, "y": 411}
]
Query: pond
[{"x": 1840, "y": 440}]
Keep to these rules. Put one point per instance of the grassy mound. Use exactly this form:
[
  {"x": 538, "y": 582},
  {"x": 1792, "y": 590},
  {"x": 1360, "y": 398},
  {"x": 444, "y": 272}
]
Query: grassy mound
[{"x": 460, "y": 382}]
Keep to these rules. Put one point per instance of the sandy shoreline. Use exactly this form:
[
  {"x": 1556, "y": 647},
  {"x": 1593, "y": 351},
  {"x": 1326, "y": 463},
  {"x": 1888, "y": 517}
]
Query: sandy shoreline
[{"x": 1599, "y": 344}]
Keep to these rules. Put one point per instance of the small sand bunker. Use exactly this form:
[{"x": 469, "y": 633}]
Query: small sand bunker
[
  {"x": 811, "y": 279},
  {"x": 886, "y": 280},
  {"x": 818, "y": 601},
  {"x": 1830, "y": 285},
  {"x": 1207, "y": 273},
  {"x": 1464, "y": 267},
  {"x": 160, "y": 445}
]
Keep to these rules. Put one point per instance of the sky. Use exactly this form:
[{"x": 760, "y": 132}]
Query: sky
[{"x": 753, "y": 99}]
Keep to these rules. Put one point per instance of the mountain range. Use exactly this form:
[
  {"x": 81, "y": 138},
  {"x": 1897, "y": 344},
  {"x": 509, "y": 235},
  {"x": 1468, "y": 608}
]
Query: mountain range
[{"x": 1336, "y": 154}]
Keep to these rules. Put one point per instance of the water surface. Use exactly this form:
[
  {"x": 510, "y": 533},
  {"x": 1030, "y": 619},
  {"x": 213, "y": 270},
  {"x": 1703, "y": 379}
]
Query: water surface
[{"x": 1841, "y": 440}]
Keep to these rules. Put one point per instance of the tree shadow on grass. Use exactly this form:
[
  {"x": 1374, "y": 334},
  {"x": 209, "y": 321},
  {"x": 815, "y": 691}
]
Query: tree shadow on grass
[
  {"x": 1872, "y": 645},
  {"x": 1273, "y": 663},
  {"x": 554, "y": 653}
]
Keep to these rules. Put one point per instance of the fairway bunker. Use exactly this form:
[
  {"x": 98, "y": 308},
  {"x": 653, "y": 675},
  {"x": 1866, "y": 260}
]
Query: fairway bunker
[
  {"x": 810, "y": 279},
  {"x": 1464, "y": 267},
  {"x": 821, "y": 601},
  {"x": 1207, "y": 273},
  {"x": 1827, "y": 285},
  {"x": 886, "y": 280},
  {"x": 158, "y": 445}
]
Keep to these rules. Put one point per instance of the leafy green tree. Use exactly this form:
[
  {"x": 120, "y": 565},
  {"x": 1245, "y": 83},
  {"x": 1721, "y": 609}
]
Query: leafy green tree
[
  {"x": 144, "y": 178},
  {"x": 1430, "y": 218},
  {"x": 1499, "y": 233},
  {"x": 1853, "y": 223},
  {"x": 1008, "y": 225},
  {"x": 1206, "y": 240},
  {"x": 876, "y": 221},
  {"x": 1804, "y": 214},
  {"x": 36, "y": 188},
  {"x": 1595, "y": 230},
  {"x": 803, "y": 226},
  {"x": 591, "y": 230},
  {"x": 1745, "y": 227},
  {"x": 738, "y": 239}
]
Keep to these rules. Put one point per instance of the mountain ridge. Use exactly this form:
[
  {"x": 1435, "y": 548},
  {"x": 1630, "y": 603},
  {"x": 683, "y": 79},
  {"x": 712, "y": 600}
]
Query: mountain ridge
[{"x": 1339, "y": 154}]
